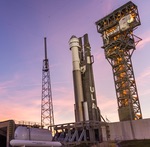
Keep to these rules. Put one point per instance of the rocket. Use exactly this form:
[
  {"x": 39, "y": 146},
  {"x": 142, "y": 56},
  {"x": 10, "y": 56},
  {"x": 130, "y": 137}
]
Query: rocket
[
  {"x": 77, "y": 79},
  {"x": 84, "y": 88}
]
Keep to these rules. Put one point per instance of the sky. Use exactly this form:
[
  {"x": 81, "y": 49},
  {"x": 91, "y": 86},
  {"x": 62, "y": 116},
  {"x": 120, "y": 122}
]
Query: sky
[{"x": 25, "y": 23}]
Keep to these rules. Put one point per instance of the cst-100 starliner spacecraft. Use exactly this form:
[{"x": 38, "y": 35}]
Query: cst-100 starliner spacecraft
[{"x": 84, "y": 88}]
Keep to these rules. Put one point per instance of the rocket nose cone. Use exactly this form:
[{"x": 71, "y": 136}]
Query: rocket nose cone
[{"x": 72, "y": 37}]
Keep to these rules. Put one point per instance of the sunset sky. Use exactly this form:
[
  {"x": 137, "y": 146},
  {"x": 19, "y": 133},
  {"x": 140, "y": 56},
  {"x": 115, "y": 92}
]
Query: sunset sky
[{"x": 25, "y": 23}]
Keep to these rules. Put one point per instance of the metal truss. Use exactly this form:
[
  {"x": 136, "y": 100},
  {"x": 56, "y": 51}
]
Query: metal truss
[
  {"x": 47, "y": 116},
  {"x": 119, "y": 45},
  {"x": 111, "y": 20},
  {"x": 72, "y": 134},
  {"x": 126, "y": 90}
]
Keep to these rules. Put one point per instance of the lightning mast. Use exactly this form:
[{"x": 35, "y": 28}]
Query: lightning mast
[
  {"x": 119, "y": 44},
  {"x": 47, "y": 116}
]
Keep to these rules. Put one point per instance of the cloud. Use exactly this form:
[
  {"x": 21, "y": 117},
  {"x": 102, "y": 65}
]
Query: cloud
[
  {"x": 144, "y": 77},
  {"x": 108, "y": 106},
  {"x": 19, "y": 102},
  {"x": 145, "y": 40},
  {"x": 98, "y": 56},
  {"x": 63, "y": 101},
  {"x": 146, "y": 73},
  {"x": 143, "y": 81}
]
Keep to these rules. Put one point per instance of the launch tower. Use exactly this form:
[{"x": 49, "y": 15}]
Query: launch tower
[
  {"x": 47, "y": 116},
  {"x": 119, "y": 44}
]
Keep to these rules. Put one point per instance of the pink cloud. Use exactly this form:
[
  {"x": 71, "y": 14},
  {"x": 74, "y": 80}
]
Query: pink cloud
[
  {"x": 23, "y": 101},
  {"x": 19, "y": 102},
  {"x": 145, "y": 40},
  {"x": 98, "y": 56},
  {"x": 108, "y": 107},
  {"x": 63, "y": 101},
  {"x": 21, "y": 105},
  {"x": 144, "y": 77},
  {"x": 64, "y": 113},
  {"x": 143, "y": 81}
]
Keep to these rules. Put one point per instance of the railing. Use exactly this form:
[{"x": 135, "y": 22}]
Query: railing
[{"x": 28, "y": 123}]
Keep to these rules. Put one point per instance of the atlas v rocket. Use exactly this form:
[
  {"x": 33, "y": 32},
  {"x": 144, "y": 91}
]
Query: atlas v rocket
[{"x": 84, "y": 88}]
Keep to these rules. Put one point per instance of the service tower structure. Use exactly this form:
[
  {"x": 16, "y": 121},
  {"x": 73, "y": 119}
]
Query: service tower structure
[
  {"x": 86, "y": 108},
  {"x": 119, "y": 44},
  {"x": 47, "y": 116}
]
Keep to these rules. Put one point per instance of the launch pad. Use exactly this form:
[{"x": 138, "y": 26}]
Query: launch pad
[
  {"x": 7, "y": 129},
  {"x": 78, "y": 133},
  {"x": 89, "y": 128},
  {"x": 119, "y": 44}
]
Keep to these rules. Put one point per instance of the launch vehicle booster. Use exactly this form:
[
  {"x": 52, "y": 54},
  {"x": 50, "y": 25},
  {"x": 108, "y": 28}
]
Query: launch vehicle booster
[{"x": 84, "y": 88}]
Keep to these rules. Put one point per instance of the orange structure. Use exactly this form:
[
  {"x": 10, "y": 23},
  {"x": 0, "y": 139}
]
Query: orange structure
[{"x": 119, "y": 44}]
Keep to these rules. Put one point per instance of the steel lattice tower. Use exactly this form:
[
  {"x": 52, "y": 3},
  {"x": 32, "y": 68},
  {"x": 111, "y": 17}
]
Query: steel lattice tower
[
  {"x": 119, "y": 45},
  {"x": 47, "y": 116}
]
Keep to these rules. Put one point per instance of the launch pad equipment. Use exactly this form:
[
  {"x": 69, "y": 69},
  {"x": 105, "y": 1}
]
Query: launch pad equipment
[
  {"x": 119, "y": 44},
  {"x": 47, "y": 116},
  {"x": 79, "y": 133},
  {"x": 34, "y": 137},
  {"x": 87, "y": 126}
]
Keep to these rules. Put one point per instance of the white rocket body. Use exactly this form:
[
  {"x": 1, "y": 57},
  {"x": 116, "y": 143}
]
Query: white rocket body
[{"x": 74, "y": 47}]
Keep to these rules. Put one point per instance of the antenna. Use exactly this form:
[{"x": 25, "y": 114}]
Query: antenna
[{"x": 45, "y": 46}]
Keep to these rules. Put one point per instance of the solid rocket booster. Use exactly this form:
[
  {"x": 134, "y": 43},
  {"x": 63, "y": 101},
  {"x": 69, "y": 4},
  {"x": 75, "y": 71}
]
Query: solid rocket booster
[
  {"x": 84, "y": 88},
  {"x": 78, "y": 90}
]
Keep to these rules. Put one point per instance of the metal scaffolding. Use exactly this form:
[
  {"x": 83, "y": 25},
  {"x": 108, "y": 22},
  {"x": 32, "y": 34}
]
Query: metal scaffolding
[
  {"x": 47, "y": 116},
  {"x": 119, "y": 45},
  {"x": 79, "y": 133}
]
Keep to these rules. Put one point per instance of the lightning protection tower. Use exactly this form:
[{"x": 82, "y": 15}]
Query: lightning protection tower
[
  {"x": 119, "y": 44},
  {"x": 47, "y": 116}
]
